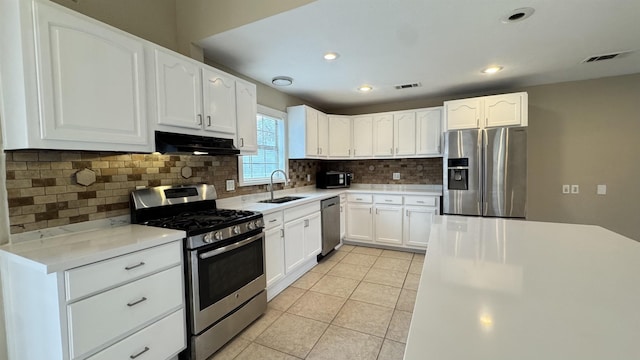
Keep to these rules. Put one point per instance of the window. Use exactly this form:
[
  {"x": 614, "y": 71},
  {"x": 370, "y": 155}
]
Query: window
[{"x": 257, "y": 169}]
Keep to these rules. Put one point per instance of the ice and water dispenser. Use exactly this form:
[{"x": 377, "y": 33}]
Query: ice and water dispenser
[{"x": 458, "y": 174}]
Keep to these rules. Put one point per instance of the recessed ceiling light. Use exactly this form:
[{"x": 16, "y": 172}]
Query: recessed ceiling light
[
  {"x": 282, "y": 81},
  {"x": 331, "y": 56},
  {"x": 365, "y": 88},
  {"x": 517, "y": 15},
  {"x": 492, "y": 69}
]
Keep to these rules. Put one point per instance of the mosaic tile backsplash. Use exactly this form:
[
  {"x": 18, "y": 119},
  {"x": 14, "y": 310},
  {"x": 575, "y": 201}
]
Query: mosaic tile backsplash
[{"x": 43, "y": 189}]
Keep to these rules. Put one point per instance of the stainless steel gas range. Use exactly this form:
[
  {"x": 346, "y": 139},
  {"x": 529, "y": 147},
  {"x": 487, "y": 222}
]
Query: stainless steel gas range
[{"x": 224, "y": 257}]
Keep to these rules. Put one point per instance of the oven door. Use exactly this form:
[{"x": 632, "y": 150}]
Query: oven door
[{"x": 223, "y": 278}]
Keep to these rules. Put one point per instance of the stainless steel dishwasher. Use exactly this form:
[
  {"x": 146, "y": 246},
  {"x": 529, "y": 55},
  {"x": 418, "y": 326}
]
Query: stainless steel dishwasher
[{"x": 330, "y": 214}]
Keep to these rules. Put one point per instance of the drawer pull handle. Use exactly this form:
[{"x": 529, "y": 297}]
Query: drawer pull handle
[
  {"x": 146, "y": 348},
  {"x": 273, "y": 220},
  {"x": 131, "y": 267},
  {"x": 136, "y": 302},
  {"x": 359, "y": 199},
  {"x": 420, "y": 202},
  {"x": 387, "y": 200}
]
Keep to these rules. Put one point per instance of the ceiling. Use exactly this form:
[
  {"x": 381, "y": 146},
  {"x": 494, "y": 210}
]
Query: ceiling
[{"x": 443, "y": 45}]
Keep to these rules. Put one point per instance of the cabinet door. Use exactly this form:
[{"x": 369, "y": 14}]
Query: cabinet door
[
  {"x": 363, "y": 136},
  {"x": 428, "y": 131},
  {"x": 178, "y": 91},
  {"x": 405, "y": 133},
  {"x": 463, "y": 114},
  {"x": 323, "y": 135},
  {"x": 90, "y": 81},
  {"x": 312, "y": 236},
  {"x": 311, "y": 134},
  {"x": 503, "y": 110},
  {"x": 339, "y": 136},
  {"x": 294, "y": 244},
  {"x": 219, "y": 100},
  {"x": 360, "y": 222},
  {"x": 274, "y": 255},
  {"x": 388, "y": 224},
  {"x": 246, "y": 114},
  {"x": 417, "y": 225},
  {"x": 383, "y": 135}
]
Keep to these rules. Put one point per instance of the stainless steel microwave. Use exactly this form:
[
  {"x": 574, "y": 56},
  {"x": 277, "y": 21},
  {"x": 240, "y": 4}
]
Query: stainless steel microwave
[{"x": 333, "y": 179}]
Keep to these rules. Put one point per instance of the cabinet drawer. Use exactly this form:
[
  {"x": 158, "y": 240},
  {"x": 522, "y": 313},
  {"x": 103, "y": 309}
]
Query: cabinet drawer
[
  {"x": 360, "y": 198},
  {"x": 273, "y": 220},
  {"x": 104, "y": 317},
  {"x": 388, "y": 199},
  {"x": 105, "y": 274},
  {"x": 157, "y": 341},
  {"x": 420, "y": 200},
  {"x": 300, "y": 211}
]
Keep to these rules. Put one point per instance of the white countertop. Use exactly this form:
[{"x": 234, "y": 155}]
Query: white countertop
[
  {"x": 311, "y": 194},
  {"x": 67, "y": 251},
  {"x": 510, "y": 289}
]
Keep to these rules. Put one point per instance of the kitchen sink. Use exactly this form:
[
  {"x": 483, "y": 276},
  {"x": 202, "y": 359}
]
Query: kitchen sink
[{"x": 283, "y": 199}]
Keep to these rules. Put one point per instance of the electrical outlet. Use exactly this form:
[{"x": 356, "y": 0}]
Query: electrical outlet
[
  {"x": 231, "y": 185},
  {"x": 396, "y": 176},
  {"x": 308, "y": 177},
  {"x": 575, "y": 189},
  {"x": 601, "y": 190},
  {"x": 566, "y": 189}
]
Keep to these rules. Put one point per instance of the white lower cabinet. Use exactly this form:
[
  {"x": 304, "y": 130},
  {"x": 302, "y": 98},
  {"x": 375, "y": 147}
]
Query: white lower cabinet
[
  {"x": 137, "y": 309},
  {"x": 417, "y": 225},
  {"x": 360, "y": 222},
  {"x": 293, "y": 239},
  {"x": 294, "y": 244},
  {"x": 388, "y": 223},
  {"x": 274, "y": 255},
  {"x": 390, "y": 220}
]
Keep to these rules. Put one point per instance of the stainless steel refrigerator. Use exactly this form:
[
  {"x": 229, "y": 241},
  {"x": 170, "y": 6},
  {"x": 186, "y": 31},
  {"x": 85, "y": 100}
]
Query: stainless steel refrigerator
[{"x": 485, "y": 172}]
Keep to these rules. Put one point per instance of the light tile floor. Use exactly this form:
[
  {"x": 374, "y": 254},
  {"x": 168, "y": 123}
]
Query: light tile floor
[{"x": 356, "y": 304}]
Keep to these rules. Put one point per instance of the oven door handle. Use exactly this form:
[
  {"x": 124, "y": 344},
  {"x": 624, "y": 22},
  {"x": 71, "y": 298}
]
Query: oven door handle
[{"x": 227, "y": 248}]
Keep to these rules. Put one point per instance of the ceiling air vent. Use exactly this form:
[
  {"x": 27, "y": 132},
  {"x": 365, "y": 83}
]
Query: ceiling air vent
[
  {"x": 407, "y": 86},
  {"x": 603, "y": 57}
]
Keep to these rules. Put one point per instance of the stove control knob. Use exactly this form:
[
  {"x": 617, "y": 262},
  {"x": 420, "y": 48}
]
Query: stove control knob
[
  {"x": 217, "y": 235},
  {"x": 236, "y": 230},
  {"x": 259, "y": 223},
  {"x": 208, "y": 238},
  {"x": 251, "y": 225}
]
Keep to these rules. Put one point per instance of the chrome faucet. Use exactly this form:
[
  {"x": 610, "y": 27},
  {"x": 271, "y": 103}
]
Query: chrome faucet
[{"x": 286, "y": 182}]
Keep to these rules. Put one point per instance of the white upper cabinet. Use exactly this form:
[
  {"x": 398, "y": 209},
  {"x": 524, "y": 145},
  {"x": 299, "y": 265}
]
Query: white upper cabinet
[
  {"x": 308, "y": 133},
  {"x": 505, "y": 110},
  {"x": 246, "y": 112},
  {"x": 339, "y": 136},
  {"x": 219, "y": 101},
  {"x": 428, "y": 131},
  {"x": 383, "y": 135},
  {"x": 405, "y": 133},
  {"x": 178, "y": 91},
  {"x": 362, "y": 137},
  {"x": 463, "y": 114},
  {"x": 488, "y": 111},
  {"x": 70, "y": 82}
]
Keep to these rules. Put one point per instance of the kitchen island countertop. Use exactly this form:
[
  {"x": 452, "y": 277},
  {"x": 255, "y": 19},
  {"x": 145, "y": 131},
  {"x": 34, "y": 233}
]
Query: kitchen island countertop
[{"x": 509, "y": 289}]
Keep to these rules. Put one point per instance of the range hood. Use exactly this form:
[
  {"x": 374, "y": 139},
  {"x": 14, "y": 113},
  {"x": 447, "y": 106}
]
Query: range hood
[{"x": 170, "y": 143}]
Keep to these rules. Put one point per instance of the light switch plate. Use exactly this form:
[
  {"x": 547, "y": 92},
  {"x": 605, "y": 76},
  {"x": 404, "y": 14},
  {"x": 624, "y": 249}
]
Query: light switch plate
[
  {"x": 566, "y": 189},
  {"x": 396, "y": 176},
  {"x": 231, "y": 185},
  {"x": 575, "y": 189},
  {"x": 601, "y": 189}
]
